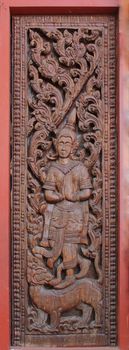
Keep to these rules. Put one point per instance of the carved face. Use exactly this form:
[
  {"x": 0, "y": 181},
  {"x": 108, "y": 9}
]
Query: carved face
[{"x": 64, "y": 146}]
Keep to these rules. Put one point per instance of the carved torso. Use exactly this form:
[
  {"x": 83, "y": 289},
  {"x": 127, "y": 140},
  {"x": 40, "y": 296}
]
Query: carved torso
[{"x": 70, "y": 178}]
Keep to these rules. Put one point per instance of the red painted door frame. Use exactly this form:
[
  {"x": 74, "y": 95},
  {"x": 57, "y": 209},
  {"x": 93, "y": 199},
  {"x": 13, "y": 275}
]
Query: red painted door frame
[{"x": 19, "y": 7}]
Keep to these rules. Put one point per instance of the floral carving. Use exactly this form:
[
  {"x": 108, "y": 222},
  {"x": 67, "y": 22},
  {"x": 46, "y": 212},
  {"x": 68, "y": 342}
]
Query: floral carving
[{"x": 65, "y": 86}]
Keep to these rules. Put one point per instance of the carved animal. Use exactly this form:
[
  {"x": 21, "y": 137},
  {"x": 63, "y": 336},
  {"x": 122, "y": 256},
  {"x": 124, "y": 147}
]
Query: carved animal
[{"x": 55, "y": 302}]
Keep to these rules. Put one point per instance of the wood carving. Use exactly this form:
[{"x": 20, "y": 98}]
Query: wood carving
[{"x": 64, "y": 183}]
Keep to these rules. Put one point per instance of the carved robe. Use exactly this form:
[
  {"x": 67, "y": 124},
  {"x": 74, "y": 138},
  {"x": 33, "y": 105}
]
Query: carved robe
[{"x": 68, "y": 224}]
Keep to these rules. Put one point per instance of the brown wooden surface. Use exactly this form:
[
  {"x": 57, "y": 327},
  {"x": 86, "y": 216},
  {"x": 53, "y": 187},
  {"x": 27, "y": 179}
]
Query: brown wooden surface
[
  {"x": 26, "y": 7},
  {"x": 64, "y": 238}
]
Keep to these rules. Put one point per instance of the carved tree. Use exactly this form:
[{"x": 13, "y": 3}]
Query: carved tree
[{"x": 65, "y": 77}]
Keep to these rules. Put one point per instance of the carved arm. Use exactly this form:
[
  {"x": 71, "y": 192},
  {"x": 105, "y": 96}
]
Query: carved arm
[
  {"x": 81, "y": 195},
  {"x": 84, "y": 194},
  {"x": 53, "y": 197}
]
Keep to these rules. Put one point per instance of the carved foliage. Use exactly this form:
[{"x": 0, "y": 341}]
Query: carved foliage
[{"x": 64, "y": 71}]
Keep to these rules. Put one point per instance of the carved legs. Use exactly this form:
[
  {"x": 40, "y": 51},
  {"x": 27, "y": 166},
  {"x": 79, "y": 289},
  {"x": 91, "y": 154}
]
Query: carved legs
[
  {"x": 55, "y": 318},
  {"x": 98, "y": 311},
  {"x": 84, "y": 267},
  {"x": 86, "y": 314}
]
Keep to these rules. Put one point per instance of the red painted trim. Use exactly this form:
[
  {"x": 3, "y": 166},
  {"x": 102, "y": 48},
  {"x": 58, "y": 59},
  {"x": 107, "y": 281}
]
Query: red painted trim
[
  {"x": 52, "y": 7},
  {"x": 91, "y": 348},
  {"x": 123, "y": 261},
  {"x": 4, "y": 177},
  {"x": 67, "y": 3},
  {"x": 69, "y": 7},
  {"x": 48, "y": 10},
  {"x": 123, "y": 201}
]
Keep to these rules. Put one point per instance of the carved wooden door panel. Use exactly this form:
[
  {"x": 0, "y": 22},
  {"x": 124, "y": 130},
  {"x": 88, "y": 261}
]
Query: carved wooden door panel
[{"x": 64, "y": 234}]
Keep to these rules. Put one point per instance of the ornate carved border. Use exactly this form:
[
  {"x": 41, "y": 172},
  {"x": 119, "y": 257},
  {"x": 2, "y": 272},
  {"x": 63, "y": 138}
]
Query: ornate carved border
[
  {"x": 16, "y": 193},
  {"x": 113, "y": 187},
  {"x": 19, "y": 112}
]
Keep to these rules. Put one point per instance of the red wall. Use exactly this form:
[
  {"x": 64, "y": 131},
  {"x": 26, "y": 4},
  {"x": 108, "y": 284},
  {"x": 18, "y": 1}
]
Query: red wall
[{"x": 8, "y": 7}]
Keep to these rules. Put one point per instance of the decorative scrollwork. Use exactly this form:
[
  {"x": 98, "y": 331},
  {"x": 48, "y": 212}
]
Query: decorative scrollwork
[{"x": 64, "y": 73}]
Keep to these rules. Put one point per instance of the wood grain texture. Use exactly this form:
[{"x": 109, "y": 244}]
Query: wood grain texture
[{"x": 64, "y": 126}]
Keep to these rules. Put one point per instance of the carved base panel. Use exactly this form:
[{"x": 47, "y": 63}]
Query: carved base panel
[{"x": 64, "y": 202}]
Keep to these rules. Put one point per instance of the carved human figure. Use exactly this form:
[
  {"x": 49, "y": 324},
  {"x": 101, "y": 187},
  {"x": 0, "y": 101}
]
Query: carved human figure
[{"x": 68, "y": 188}]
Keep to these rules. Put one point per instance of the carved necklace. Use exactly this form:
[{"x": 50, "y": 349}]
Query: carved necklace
[{"x": 65, "y": 168}]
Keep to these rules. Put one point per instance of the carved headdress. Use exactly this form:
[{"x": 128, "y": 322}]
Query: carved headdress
[{"x": 69, "y": 129}]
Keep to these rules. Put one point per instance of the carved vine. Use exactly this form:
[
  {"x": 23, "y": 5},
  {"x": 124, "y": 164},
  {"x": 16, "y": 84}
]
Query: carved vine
[{"x": 64, "y": 73}]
